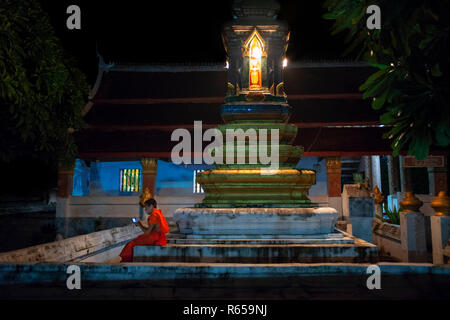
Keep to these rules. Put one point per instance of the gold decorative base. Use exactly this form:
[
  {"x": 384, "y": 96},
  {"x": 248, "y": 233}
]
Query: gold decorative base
[{"x": 251, "y": 188}]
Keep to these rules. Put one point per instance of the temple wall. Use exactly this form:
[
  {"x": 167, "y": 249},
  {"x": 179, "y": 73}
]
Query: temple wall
[
  {"x": 168, "y": 204},
  {"x": 97, "y": 204},
  {"x": 104, "y": 206}
]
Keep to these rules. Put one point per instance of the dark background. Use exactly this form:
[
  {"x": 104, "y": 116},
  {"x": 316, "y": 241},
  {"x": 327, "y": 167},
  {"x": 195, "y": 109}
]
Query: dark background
[
  {"x": 158, "y": 32},
  {"x": 144, "y": 32},
  {"x": 138, "y": 32},
  {"x": 177, "y": 32}
]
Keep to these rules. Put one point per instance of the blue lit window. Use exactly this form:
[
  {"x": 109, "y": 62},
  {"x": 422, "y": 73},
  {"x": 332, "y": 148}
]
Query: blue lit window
[{"x": 130, "y": 180}]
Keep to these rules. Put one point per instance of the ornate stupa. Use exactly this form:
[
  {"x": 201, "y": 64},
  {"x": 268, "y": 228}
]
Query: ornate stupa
[
  {"x": 256, "y": 210},
  {"x": 255, "y": 188},
  {"x": 256, "y": 44}
]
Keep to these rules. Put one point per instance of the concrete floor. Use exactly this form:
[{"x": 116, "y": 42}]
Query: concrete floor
[
  {"x": 188, "y": 281},
  {"x": 337, "y": 287}
]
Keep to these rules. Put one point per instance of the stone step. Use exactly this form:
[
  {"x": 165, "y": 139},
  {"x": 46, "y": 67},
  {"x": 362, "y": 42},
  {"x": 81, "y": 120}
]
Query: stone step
[
  {"x": 258, "y": 241},
  {"x": 358, "y": 252},
  {"x": 338, "y": 234}
]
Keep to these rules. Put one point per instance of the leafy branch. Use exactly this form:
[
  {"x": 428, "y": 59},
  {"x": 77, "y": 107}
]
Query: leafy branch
[
  {"x": 42, "y": 93},
  {"x": 410, "y": 51}
]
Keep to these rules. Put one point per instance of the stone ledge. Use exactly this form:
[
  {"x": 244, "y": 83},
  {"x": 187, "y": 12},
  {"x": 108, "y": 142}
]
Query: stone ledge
[
  {"x": 259, "y": 241},
  {"x": 244, "y": 252},
  {"x": 71, "y": 248},
  {"x": 104, "y": 200},
  {"x": 335, "y": 235}
]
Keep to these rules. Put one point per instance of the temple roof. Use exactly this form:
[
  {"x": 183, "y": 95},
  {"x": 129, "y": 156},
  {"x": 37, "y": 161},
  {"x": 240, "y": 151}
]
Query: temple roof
[
  {"x": 263, "y": 8},
  {"x": 135, "y": 108}
]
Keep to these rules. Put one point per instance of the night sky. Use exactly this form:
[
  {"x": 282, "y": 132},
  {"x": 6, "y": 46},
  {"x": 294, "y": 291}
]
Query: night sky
[{"x": 176, "y": 32}]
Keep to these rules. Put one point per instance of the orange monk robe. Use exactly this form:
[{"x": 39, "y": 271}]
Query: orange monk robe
[{"x": 156, "y": 237}]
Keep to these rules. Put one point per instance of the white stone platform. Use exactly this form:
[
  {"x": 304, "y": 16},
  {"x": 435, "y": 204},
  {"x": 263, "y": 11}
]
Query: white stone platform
[
  {"x": 258, "y": 235},
  {"x": 256, "y": 221}
]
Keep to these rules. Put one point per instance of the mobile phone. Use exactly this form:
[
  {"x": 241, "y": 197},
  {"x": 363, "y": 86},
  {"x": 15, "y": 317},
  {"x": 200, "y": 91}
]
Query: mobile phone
[{"x": 134, "y": 220}]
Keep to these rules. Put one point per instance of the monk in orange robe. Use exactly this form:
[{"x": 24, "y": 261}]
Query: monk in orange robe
[{"x": 154, "y": 234}]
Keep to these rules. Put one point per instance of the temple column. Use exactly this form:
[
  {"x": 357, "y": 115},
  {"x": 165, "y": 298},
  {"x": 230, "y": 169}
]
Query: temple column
[
  {"x": 402, "y": 173},
  {"x": 334, "y": 176},
  {"x": 149, "y": 170},
  {"x": 334, "y": 183},
  {"x": 65, "y": 181},
  {"x": 65, "y": 186},
  {"x": 376, "y": 173},
  {"x": 437, "y": 180},
  {"x": 405, "y": 177},
  {"x": 393, "y": 174},
  {"x": 368, "y": 168},
  {"x": 95, "y": 185}
]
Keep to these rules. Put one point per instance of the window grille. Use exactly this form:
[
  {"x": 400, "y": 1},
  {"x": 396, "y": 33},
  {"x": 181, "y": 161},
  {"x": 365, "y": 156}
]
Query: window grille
[
  {"x": 197, "y": 187},
  {"x": 130, "y": 180}
]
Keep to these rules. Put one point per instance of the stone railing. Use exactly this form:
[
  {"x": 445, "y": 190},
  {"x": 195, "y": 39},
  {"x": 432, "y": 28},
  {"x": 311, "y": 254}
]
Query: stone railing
[
  {"x": 72, "y": 248},
  {"x": 387, "y": 237},
  {"x": 407, "y": 242}
]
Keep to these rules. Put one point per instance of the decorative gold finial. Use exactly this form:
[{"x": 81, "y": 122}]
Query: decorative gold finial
[
  {"x": 441, "y": 204},
  {"x": 410, "y": 203},
  {"x": 280, "y": 89},
  {"x": 230, "y": 89},
  {"x": 378, "y": 196},
  {"x": 145, "y": 196},
  {"x": 364, "y": 184}
]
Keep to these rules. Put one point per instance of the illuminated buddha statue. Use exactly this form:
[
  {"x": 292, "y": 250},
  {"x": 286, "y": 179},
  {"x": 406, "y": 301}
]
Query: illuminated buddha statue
[{"x": 255, "y": 65}]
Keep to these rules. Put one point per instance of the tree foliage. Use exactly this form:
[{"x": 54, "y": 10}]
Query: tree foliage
[
  {"x": 411, "y": 52},
  {"x": 42, "y": 93}
]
